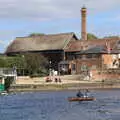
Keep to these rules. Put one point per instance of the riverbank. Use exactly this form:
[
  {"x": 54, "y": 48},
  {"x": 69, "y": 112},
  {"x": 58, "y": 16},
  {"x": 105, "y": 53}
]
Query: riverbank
[{"x": 64, "y": 86}]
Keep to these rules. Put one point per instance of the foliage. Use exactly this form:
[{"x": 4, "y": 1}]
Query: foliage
[
  {"x": 36, "y": 34},
  {"x": 91, "y": 36},
  {"x": 8, "y": 82},
  {"x": 35, "y": 63},
  {"x": 10, "y": 62},
  {"x": 3, "y": 62},
  {"x": 111, "y": 37},
  {"x": 30, "y": 63}
]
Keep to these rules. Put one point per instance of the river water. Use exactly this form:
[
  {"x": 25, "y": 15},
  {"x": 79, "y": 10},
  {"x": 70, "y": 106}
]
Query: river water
[{"x": 54, "y": 106}]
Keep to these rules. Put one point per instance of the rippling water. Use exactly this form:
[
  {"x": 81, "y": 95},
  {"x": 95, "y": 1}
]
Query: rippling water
[{"x": 54, "y": 106}]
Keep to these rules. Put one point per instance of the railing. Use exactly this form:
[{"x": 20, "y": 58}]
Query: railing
[{"x": 7, "y": 71}]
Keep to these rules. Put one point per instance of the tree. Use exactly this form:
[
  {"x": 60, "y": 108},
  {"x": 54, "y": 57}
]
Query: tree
[
  {"x": 31, "y": 63},
  {"x": 10, "y": 62},
  {"x": 91, "y": 36},
  {"x": 17, "y": 61},
  {"x": 36, "y": 34},
  {"x": 35, "y": 63},
  {"x": 115, "y": 37},
  {"x": 2, "y": 62}
]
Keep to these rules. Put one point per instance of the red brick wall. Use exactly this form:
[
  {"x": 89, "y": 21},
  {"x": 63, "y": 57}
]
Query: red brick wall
[
  {"x": 93, "y": 62},
  {"x": 96, "y": 75}
]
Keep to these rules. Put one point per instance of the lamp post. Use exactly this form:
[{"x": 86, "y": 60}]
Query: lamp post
[
  {"x": 50, "y": 70},
  {"x": 15, "y": 73},
  {"x": 23, "y": 58}
]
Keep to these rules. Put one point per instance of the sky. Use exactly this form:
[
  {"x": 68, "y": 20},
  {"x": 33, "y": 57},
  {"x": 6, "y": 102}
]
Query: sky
[{"x": 19, "y": 18}]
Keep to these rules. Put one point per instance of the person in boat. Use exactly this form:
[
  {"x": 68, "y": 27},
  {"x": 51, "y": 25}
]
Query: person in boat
[
  {"x": 87, "y": 93},
  {"x": 79, "y": 94}
]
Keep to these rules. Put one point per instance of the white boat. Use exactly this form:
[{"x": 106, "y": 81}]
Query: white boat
[{"x": 3, "y": 93}]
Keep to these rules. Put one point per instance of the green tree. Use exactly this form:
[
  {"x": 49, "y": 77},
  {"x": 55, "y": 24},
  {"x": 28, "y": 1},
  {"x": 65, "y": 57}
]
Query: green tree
[
  {"x": 35, "y": 63},
  {"x": 31, "y": 63},
  {"x": 10, "y": 62},
  {"x": 36, "y": 34},
  {"x": 115, "y": 37},
  {"x": 17, "y": 61},
  {"x": 91, "y": 36},
  {"x": 3, "y": 62}
]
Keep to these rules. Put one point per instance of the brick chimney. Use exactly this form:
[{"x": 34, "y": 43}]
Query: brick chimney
[{"x": 83, "y": 23}]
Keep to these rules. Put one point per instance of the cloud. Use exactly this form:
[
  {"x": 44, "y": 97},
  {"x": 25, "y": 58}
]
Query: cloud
[
  {"x": 115, "y": 19},
  {"x": 2, "y": 42},
  {"x": 51, "y": 9}
]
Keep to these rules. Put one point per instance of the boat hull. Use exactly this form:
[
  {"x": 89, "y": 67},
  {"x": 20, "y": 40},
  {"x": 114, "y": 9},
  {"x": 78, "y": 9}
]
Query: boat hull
[{"x": 73, "y": 99}]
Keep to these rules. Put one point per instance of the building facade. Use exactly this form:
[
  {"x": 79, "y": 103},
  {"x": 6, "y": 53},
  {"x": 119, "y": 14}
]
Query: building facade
[{"x": 66, "y": 52}]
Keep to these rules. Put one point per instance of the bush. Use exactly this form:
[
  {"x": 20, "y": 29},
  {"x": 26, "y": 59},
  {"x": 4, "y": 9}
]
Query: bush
[{"x": 8, "y": 82}]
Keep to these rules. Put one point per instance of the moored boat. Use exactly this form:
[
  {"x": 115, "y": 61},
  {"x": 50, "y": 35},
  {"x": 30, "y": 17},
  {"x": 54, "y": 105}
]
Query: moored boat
[
  {"x": 73, "y": 99},
  {"x": 3, "y": 93}
]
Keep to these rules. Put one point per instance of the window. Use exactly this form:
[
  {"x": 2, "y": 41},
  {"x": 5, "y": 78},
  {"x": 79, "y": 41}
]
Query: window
[
  {"x": 95, "y": 55},
  {"x": 93, "y": 67},
  {"x": 83, "y": 57},
  {"x": 73, "y": 66},
  {"x": 84, "y": 67},
  {"x": 89, "y": 56},
  {"x": 71, "y": 57},
  {"x": 79, "y": 56}
]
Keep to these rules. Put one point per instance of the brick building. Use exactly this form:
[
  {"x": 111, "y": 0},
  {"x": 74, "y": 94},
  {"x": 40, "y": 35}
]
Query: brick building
[{"x": 67, "y": 51}]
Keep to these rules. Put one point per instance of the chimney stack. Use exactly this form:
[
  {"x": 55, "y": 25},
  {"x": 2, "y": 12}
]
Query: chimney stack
[{"x": 83, "y": 23}]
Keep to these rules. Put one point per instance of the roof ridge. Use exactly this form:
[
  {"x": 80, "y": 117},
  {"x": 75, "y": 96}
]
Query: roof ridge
[
  {"x": 61, "y": 33},
  {"x": 72, "y": 33},
  {"x": 67, "y": 41}
]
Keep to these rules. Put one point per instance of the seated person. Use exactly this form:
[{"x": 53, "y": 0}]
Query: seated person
[
  {"x": 79, "y": 94},
  {"x": 87, "y": 93}
]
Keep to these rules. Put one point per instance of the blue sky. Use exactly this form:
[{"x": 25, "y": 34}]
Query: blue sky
[{"x": 19, "y": 18}]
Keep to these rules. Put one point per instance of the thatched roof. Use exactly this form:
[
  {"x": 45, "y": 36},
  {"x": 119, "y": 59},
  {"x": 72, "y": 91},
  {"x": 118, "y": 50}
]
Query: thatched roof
[{"x": 41, "y": 42}]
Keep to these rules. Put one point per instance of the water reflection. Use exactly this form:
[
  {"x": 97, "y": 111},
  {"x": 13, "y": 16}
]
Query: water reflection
[{"x": 54, "y": 106}]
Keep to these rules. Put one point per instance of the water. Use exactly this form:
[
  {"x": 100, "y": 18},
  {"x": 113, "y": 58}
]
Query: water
[{"x": 54, "y": 106}]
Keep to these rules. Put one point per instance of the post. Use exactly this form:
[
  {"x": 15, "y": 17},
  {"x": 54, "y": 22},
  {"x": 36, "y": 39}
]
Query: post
[
  {"x": 50, "y": 70},
  {"x": 64, "y": 58},
  {"x": 15, "y": 74}
]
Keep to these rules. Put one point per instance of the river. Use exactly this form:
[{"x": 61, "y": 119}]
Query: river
[{"x": 54, "y": 106}]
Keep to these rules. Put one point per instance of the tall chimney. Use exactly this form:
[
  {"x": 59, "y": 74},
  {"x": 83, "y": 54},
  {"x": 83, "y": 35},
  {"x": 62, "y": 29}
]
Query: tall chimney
[{"x": 83, "y": 23}]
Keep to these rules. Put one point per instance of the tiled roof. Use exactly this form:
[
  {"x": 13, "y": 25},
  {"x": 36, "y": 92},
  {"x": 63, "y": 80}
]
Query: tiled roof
[
  {"x": 79, "y": 45},
  {"x": 96, "y": 49}
]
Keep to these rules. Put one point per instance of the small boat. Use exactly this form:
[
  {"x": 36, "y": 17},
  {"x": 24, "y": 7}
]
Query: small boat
[
  {"x": 3, "y": 93},
  {"x": 73, "y": 99}
]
